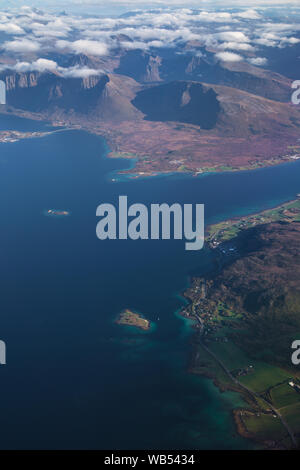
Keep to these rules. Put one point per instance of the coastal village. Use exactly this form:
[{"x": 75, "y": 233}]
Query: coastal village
[{"x": 272, "y": 394}]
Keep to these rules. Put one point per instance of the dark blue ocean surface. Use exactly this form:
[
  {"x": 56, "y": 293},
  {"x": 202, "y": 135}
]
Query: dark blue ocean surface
[{"x": 73, "y": 378}]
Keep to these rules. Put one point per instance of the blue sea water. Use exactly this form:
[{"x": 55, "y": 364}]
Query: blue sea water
[{"x": 73, "y": 378}]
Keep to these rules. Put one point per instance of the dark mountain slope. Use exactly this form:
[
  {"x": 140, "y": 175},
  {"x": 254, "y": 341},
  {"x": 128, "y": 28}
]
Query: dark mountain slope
[
  {"x": 141, "y": 66},
  {"x": 166, "y": 65},
  {"x": 180, "y": 101},
  {"x": 100, "y": 96},
  {"x": 263, "y": 285},
  {"x": 230, "y": 111}
]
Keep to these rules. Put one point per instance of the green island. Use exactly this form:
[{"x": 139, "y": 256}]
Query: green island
[
  {"x": 130, "y": 318},
  {"x": 247, "y": 315}
]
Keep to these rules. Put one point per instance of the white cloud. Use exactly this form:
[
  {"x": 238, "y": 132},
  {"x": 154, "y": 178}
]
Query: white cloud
[
  {"x": 131, "y": 45},
  {"x": 11, "y": 28},
  {"x": 233, "y": 36},
  {"x": 290, "y": 41},
  {"x": 226, "y": 32},
  {"x": 259, "y": 61},
  {"x": 77, "y": 72},
  {"x": 237, "y": 46},
  {"x": 249, "y": 15},
  {"x": 84, "y": 46},
  {"x": 214, "y": 17},
  {"x": 24, "y": 45},
  {"x": 228, "y": 57},
  {"x": 40, "y": 65},
  {"x": 56, "y": 28},
  {"x": 45, "y": 65}
]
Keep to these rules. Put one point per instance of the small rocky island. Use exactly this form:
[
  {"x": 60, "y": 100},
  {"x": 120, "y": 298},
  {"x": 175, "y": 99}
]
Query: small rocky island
[
  {"x": 130, "y": 318},
  {"x": 57, "y": 213}
]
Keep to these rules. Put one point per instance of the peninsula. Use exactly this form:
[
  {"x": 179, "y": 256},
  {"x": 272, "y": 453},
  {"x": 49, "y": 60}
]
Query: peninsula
[{"x": 14, "y": 136}]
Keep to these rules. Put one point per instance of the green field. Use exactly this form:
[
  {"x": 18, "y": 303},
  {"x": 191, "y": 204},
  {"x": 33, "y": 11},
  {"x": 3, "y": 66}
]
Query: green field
[
  {"x": 265, "y": 426},
  {"x": 231, "y": 355},
  {"x": 284, "y": 395},
  {"x": 291, "y": 414},
  {"x": 264, "y": 376}
]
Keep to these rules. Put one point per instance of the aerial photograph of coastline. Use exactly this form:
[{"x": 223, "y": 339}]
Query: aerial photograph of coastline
[{"x": 150, "y": 227}]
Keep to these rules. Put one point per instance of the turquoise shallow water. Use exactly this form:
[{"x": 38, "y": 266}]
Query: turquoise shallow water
[{"x": 74, "y": 379}]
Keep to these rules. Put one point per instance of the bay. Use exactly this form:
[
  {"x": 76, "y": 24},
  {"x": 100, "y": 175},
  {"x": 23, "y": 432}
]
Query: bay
[{"x": 75, "y": 379}]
